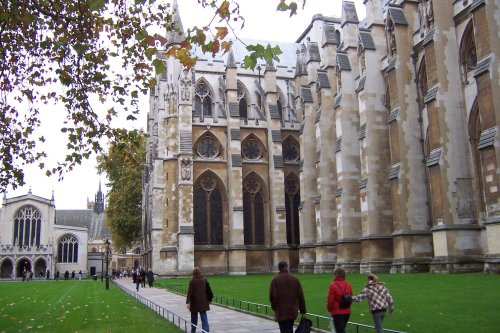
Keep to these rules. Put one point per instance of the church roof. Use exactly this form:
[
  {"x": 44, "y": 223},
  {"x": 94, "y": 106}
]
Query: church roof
[
  {"x": 96, "y": 223},
  {"x": 287, "y": 58}
]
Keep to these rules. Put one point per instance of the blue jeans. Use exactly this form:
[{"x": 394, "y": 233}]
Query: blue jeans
[
  {"x": 204, "y": 321},
  {"x": 377, "y": 320}
]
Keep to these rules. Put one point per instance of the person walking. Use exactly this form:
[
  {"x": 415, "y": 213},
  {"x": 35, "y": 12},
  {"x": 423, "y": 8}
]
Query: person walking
[
  {"x": 286, "y": 298},
  {"x": 336, "y": 291},
  {"x": 137, "y": 279},
  {"x": 151, "y": 278},
  {"x": 199, "y": 297},
  {"x": 379, "y": 300},
  {"x": 143, "y": 277}
]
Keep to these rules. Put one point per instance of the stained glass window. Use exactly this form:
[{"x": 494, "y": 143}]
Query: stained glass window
[
  {"x": 208, "y": 218},
  {"x": 253, "y": 212},
  {"x": 67, "y": 249},
  {"x": 207, "y": 147},
  {"x": 27, "y": 226},
  {"x": 290, "y": 151},
  {"x": 251, "y": 150}
]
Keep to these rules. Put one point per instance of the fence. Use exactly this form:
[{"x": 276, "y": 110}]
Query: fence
[{"x": 321, "y": 322}]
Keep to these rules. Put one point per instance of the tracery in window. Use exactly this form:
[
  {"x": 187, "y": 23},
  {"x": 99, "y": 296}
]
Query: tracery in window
[
  {"x": 468, "y": 53},
  {"x": 253, "y": 211},
  {"x": 67, "y": 249},
  {"x": 203, "y": 101},
  {"x": 208, "y": 147},
  {"x": 208, "y": 207},
  {"x": 422, "y": 82},
  {"x": 251, "y": 149},
  {"x": 291, "y": 150},
  {"x": 27, "y": 226},
  {"x": 242, "y": 102}
]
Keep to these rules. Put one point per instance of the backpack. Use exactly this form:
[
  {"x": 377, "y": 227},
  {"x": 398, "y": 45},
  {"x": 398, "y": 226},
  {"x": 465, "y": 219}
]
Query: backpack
[{"x": 345, "y": 299}]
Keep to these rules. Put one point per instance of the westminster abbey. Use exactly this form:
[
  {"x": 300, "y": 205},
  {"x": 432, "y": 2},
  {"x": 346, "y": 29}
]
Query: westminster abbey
[{"x": 371, "y": 144}]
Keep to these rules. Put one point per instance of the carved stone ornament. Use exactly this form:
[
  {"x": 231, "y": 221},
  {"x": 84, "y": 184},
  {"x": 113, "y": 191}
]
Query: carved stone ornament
[
  {"x": 186, "y": 169},
  {"x": 185, "y": 89},
  {"x": 429, "y": 14}
]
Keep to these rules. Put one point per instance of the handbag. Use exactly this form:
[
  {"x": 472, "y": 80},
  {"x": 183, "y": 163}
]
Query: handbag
[
  {"x": 345, "y": 299},
  {"x": 305, "y": 325}
]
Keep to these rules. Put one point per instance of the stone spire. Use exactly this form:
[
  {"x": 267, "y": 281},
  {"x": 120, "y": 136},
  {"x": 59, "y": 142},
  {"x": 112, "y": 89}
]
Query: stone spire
[
  {"x": 231, "y": 62},
  {"x": 176, "y": 34},
  {"x": 99, "y": 201}
]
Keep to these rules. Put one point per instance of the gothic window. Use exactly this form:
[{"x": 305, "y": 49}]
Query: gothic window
[
  {"x": 292, "y": 202},
  {"x": 203, "y": 101},
  {"x": 27, "y": 226},
  {"x": 339, "y": 39},
  {"x": 391, "y": 38},
  {"x": 422, "y": 82},
  {"x": 338, "y": 73},
  {"x": 67, "y": 249},
  {"x": 253, "y": 211},
  {"x": 258, "y": 98},
  {"x": 207, "y": 212},
  {"x": 280, "y": 108},
  {"x": 468, "y": 54},
  {"x": 208, "y": 147},
  {"x": 251, "y": 149},
  {"x": 242, "y": 102},
  {"x": 362, "y": 60},
  {"x": 291, "y": 150},
  {"x": 474, "y": 136}
]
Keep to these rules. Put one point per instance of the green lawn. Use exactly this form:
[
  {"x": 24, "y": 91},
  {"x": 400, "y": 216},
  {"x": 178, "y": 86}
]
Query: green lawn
[
  {"x": 74, "y": 306},
  {"x": 424, "y": 303}
]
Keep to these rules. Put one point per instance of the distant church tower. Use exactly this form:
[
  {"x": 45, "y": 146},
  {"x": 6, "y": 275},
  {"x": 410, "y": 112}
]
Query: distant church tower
[{"x": 99, "y": 201}]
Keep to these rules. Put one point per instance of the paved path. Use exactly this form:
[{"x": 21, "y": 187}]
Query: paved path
[{"x": 220, "y": 319}]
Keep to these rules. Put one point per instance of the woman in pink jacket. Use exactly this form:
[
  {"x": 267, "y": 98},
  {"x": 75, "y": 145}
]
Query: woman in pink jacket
[{"x": 336, "y": 291}]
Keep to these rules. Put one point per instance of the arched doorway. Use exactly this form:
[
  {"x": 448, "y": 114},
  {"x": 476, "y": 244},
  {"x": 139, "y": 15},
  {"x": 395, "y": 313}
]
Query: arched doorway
[
  {"x": 40, "y": 267},
  {"x": 6, "y": 269},
  {"x": 23, "y": 264}
]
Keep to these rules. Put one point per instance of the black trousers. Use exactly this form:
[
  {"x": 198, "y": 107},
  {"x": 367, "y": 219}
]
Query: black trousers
[
  {"x": 340, "y": 322},
  {"x": 286, "y": 326}
]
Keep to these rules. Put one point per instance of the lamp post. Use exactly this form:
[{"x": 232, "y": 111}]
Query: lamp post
[
  {"x": 102, "y": 266},
  {"x": 107, "y": 263}
]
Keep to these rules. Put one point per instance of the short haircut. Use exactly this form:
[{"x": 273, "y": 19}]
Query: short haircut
[
  {"x": 339, "y": 272},
  {"x": 282, "y": 266}
]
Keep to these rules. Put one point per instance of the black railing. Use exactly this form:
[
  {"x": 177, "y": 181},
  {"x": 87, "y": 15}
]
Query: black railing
[
  {"x": 182, "y": 323},
  {"x": 321, "y": 322}
]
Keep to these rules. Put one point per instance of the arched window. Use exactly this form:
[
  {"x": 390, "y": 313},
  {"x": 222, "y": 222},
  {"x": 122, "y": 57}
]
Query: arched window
[
  {"x": 208, "y": 147},
  {"x": 252, "y": 148},
  {"x": 474, "y": 136},
  {"x": 292, "y": 202},
  {"x": 207, "y": 211},
  {"x": 291, "y": 150},
  {"x": 422, "y": 82},
  {"x": 203, "y": 101},
  {"x": 242, "y": 102},
  {"x": 339, "y": 39},
  {"x": 67, "y": 249},
  {"x": 468, "y": 54},
  {"x": 391, "y": 38},
  {"x": 253, "y": 211},
  {"x": 27, "y": 226}
]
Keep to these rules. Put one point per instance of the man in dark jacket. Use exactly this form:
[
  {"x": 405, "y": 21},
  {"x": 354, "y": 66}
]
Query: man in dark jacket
[{"x": 287, "y": 298}]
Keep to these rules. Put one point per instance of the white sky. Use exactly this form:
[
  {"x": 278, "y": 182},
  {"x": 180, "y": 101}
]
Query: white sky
[{"x": 262, "y": 22}]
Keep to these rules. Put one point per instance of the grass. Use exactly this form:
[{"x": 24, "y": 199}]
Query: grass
[
  {"x": 423, "y": 302},
  {"x": 74, "y": 306}
]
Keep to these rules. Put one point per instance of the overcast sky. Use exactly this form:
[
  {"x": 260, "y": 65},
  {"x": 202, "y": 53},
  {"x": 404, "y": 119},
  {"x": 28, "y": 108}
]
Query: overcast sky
[{"x": 261, "y": 22}]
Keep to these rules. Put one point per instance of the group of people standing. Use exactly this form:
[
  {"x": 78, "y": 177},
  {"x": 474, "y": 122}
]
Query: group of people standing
[
  {"x": 140, "y": 276},
  {"x": 287, "y": 299}
]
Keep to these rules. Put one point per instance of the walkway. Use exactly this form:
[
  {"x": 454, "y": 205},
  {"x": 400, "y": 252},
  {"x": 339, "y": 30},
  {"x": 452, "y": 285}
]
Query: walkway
[{"x": 221, "y": 319}]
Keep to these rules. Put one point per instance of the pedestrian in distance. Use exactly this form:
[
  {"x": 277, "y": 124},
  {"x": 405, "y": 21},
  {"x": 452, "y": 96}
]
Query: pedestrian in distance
[
  {"x": 73, "y": 275},
  {"x": 80, "y": 275},
  {"x": 286, "y": 298},
  {"x": 379, "y": 300},
  {"x": 143, "y": 277},
  {"x": 151, "y": 278},
  {"x": 339, "y": 311},
  {"x": 199, "y": 297},
  {"x": 66, "y": 276},
  {"x": 137, "y": 278}
]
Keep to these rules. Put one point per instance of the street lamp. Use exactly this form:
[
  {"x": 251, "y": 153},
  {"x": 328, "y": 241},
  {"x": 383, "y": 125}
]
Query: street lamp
[{"x": 107, "y": 263}]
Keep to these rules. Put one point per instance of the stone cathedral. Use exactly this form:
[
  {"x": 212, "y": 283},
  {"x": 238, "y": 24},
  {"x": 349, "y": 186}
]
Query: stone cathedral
[{"x": 371, "y": 144}]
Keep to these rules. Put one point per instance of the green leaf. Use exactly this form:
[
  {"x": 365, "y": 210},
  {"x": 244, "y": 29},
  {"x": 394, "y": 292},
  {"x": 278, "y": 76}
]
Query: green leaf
[
  {"x": 159, "y": 66},
  {"x": 141, "y": 35},
  {"x": 96, "y": 5}
]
